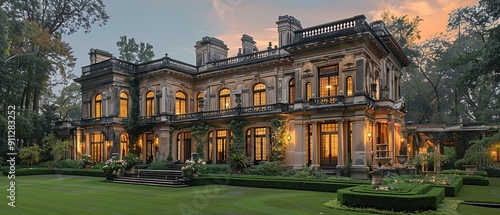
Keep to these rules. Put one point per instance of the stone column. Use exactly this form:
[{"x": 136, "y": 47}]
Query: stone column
[
  {"x": 163, "y": 138},
  {"x": 315, "y": 145},
  {"x": 300, "y": 133},
  {"x": 358, "y": 145},
  {"x": 341, "y": 145},
  {"x": 391, "y": 141},
  {"x": 360, "y": 76}
]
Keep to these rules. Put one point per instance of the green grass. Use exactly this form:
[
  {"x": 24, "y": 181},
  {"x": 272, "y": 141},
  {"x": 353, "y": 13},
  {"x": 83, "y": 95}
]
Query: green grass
[
  {"x": 63, "y": 194},
  {"x": 475, "y": 193}
]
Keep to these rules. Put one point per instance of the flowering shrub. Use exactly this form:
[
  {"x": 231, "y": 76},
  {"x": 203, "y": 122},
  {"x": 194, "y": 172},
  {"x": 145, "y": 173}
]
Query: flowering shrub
[
  {"x": 192, "y": 168},
  {"x": 84, "y": 161},
  {"x": 131, "y": 160},
  {"x": 112, "y": 167}
]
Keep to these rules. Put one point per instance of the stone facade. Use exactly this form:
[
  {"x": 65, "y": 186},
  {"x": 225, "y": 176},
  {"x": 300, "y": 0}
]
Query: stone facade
[{"x": 334, "y": 83}]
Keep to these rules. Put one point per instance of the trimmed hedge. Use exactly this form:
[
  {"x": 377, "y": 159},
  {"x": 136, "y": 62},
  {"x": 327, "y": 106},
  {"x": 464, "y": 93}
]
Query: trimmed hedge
[
  {"x": 291, "y": 184},
  {"x": 460, "y": 172},
  {"x": 45, "y": 171},
  {"x": 388, "y": 201},
  {"x": 476, "y": 180},
  {"x": 492, "y": 171},
  {"x": 452, "y": 189}
]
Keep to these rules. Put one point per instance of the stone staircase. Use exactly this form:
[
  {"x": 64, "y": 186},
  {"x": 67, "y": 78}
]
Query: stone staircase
[{"x": 163, "y": 178}]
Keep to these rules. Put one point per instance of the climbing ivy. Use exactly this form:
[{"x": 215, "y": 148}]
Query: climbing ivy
[
  {"x": 278, "y": 137},
  {"x": 170, "y": 138},
  {"x": 132, "y": 125},
  {"x": 198, "y": 132},
  {"x": 236, "y": 127}
]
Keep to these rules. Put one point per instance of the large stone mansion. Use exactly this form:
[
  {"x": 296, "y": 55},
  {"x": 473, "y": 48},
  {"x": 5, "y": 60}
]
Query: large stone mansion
[{"x": 337, "y": 84}]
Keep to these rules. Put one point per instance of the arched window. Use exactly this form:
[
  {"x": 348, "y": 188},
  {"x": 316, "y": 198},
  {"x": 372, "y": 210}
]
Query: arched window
[
  {"x": 308, "y": 91},
  {"x": 349, "y": 87},
  {"x": 123, "y": 104},
  {"x": 199, "y": 100},
  {"x": 224, "y": 100},
  {"x": 150, "y": 103},
  {"x": 291, "y": 90},
  {"x": 259, "y": 94},
  {"x": 180, "y": 103},
  {"x": 98, "y": 106},
  {"x": 329, "y": 81},
  {"x": 124, "y": 144}
]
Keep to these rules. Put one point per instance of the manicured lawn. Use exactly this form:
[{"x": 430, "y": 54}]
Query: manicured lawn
[
  {"x": 61, "y": 194},
  {"x": 474, "y": 193}
]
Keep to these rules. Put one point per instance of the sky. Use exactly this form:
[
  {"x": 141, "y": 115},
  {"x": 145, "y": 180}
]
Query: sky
[{"x": 174, "y": 26}]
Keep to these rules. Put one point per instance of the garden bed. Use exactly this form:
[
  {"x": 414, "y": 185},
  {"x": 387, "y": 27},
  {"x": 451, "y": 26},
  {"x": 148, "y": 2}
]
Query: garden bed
[{"x": 420, "y": 198}]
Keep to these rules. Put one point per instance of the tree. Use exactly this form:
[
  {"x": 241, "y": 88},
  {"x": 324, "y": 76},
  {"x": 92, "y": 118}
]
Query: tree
[
  {"x": 68, "y": 102},
  {"x": 30, "y": 155},
  {"x": 476, "y": 61},
  {"x": 132, "y": 52},
  {"x": 32, "y": 51}
]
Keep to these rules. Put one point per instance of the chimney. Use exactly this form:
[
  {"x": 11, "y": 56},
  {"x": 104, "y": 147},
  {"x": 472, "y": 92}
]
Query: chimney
[
  {"x": 247, "y": 44},
  {"x": 286, "y": 26},
  {"x": 97, "y": 55},
  {"x": 210, "y": 49}
]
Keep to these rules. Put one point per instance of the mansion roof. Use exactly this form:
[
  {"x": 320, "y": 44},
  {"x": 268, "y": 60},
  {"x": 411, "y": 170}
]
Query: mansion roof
[{"x": 327, "y": 34}]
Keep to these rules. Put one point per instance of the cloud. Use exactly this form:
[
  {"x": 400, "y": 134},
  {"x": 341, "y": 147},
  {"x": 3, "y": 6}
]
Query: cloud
[{"x": 434, "y": 13}]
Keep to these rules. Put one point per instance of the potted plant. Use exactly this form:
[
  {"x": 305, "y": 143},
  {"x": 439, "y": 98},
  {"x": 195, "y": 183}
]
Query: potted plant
[{"x": 130, "y": 161}]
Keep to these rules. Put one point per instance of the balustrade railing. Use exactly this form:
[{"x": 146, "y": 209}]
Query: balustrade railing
[
  {"x": 329, "y": 29},
  {"x": 271, "y": 53},
  {"x": 330, "y": 100}
]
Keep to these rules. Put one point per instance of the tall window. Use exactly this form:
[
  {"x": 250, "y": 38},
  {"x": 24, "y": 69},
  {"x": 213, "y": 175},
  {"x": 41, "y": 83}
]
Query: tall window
[
  {"x": 259, "y": 94},
  {"x": 328, "y": 81},
  {"x": 180, "y": 103},
  {"x": 260, "y": 141},
  {"x": 221, "y": 142},
  {"x": 98, "y": 106},
  {"x": 96, "y": 144},
  {"x": 199, "y": 98},
  {"x": 291, "y": 90},
  {"x": 150, "y": 103},
  {"x": 248, "y": 143},
  {"x": 329, "y": 144},
  {"x": 124, "y": 144},
  {"x": 123, "y": 104},
  {"x": 308, "y": 91},
  {"x": 184, "y": 146},
  {"x": 224, "y": 99},
  {"x": 349, "y": 87}
]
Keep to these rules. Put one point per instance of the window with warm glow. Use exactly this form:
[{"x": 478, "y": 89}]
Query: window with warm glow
[
  {"x": 96, "y": 144},
  {"x": 291, "y": 90},
  {"x": 199, "y": 98},
  {"x": 349, "y": 86},
  {"x": 150, "y": 103},
  {"x": 329, "y": 81},
  {"x": 98, "y": 106},
  {"x": 260, "y": 141},
  {"x": 224, "y": 99},
  {"x": 180, "y": 103},
  {"x": 123, "y": 104},
  {"x": 124, "y": 144},
  {"x": 308, "y": 91},
  {"x": 221, "y": 141},
  {"x": 329, "y": 144},
  {"x": 259, "y": 94}
]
